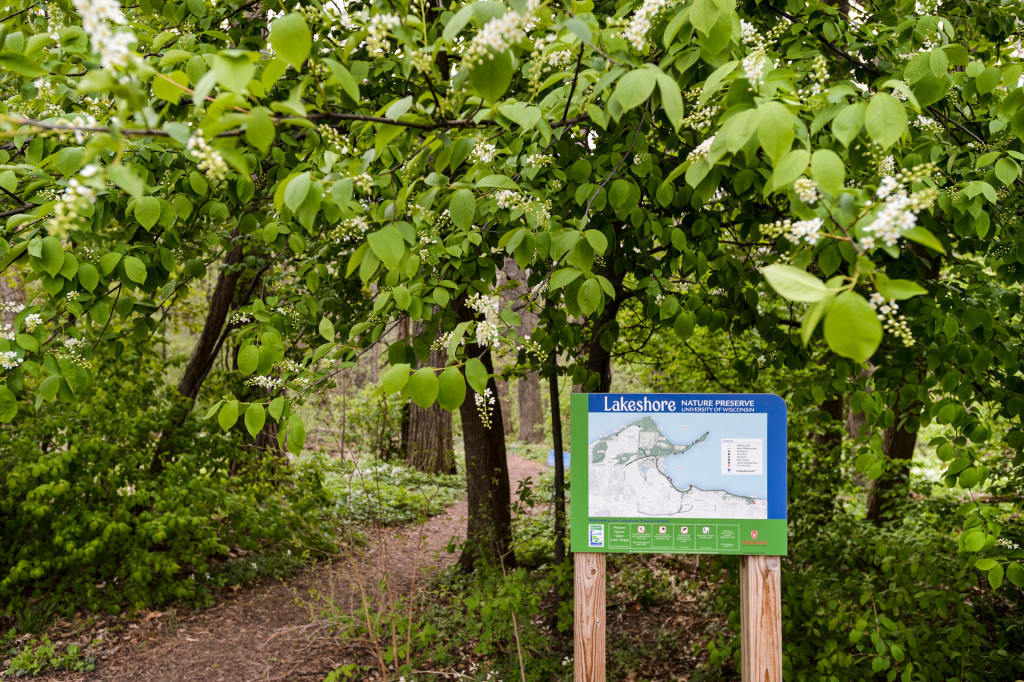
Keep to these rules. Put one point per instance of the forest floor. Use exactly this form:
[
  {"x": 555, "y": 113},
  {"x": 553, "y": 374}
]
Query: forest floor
[{"x": 280, "y": 630}]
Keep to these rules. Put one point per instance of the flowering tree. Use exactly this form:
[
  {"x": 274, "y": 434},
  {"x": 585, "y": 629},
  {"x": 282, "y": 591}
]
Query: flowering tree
[{"x": 862, "y": 160}]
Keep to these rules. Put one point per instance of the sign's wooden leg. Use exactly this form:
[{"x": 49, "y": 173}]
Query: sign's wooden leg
[
  {"x": 590, "y": 619},
  {"x": 760, "y": 618}
]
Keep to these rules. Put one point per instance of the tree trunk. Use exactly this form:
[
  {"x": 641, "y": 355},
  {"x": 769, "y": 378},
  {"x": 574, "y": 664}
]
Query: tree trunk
[
  {"x": 503, "y": 400},
  {"x": 205, "y": 352},
  {"x": 428, "y": 436},
  {"x": 531, "y": 417},
  {"x": 489, "y": 528},
  {"x": 888, "y": 492},
  {"x": 599, "y": 360},
  {"x": 209, "y": 342}
]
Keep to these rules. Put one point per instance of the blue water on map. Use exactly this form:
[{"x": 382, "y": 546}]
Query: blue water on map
[{"x": 701, "y": 465}]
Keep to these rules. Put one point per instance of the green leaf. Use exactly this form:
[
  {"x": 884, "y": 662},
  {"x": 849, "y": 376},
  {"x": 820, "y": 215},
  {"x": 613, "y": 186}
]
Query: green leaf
[
  {"x": 135, "y": 269},
  {"x": 276, "y": 408},
  {"x": 634, "y": 88},
  {"x": 291, "y": 39},
  {"x": 684, "y": 325},
  {"x": 69, "y": 160},
  {"x": 848, "y": 122},
  {"x": 497, "y": 181},
  {"x": 789, "y": 168},
  {"x": 52, "y": 255},
  {"x": 344, "y": 76},
  {"x": 147, "y": 211},
  {"x": 228, "y": 415},
  {"x": 811, "y": 319},
  {"x": 296, "y": 434},
  {"x": 885, "y": 119},
  {"x": 326, "y": 329},
  {"x": 296, "y": 190},
  {"x": 126, "y": 178},
  {"x": 671, "y": 99},
  {"x": 476, "y": 374},
  {"x": 995, "y": 576},
  {"x": 899, "y": 289},
  {"x": 462, "y": 208},
  {"x": 1015, "y": 573},
  {"x": 259, "y": 128},
  {"x": 248, "y": 359},
  {"x": 48, "y": 387},
  {"x": 852, "y": 328},
  {"x": 974, "y": 541},
  {"x": 923, "y": 237},
  {"x": 109, "y": 261},
  {"x": 423, "y": 387},
  {"x": 388, "y": 245},
  {"x": 986, "y": 564},
  {"x": 828, "y": 171},
  {"x": 451, "y": 389},
  {"x": 21, "y": 65},
  {"x": 8, "y": 405},
  {"x": 170, "y": 87},
  {"x": 1007, "y": 170},
  {"x": 795, "y": 284},
  {"x": 255, "y": 418},
  {"x": 589, "y": 296},
  {"x": 775, "y": 129},
  {"x": 492, "y": 76},
  {"x": 28, "y": 342},
  {"x": 88, "y": 276},
  {"x": 395, "y": 379}
]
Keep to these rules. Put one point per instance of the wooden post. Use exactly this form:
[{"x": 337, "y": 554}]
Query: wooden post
[
  {"x": 760, "y": 618},
  {"x": 589, "y": 606}
]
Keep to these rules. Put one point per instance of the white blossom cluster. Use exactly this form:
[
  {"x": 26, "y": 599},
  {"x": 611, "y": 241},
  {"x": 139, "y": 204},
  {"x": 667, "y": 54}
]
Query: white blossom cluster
[
  {"x": 701, "y": 118},
  {"x": 929, "y": 125},
  {"x": 1007, "y": 543},
  {"x": 560, "y": 59},
  {"x": 540, "y": 211},
  {"x": 801, "y": 230},
  {"x": 640, "y": 22},
  {"x": 818, "y": 75},
  {"x": 210, "y": 161},
  {"x": 7, "y": 332},
  {"x": 899, "y": 210},
  {"x": 640, "y": 158},
  {"x": 268, "y": 383},
  {"x": 508, "y": 199},
  {"x": 756, "y": 64},
  {"x": 483, "y": 152},
  {"x": 32, "y": 321},
  {"x": 378, "y": 31},
  {"x": 701, "y": 150},
  {"x": 894, "y": 323},
  {"x": 487, "y": 332},
  {"x": 71, "y": 351},
  {"x": 500, "y": 32},
  {"x": 485, "y": 406},
  {"x": 98, "y": 20},
  {"x": 537, "y": 160},
  {"x": 352, "y": 229},
  {"x": 67, "y": 211},
  {"x": 239, "y": 319},
  {"x": 887, "y": 166},
  {"x": 9, "y": 359},
  {"x": 363, "y": 182},
  {"x": 442, "y": 342},
  {"x": 11, "y": 307},
  {"x": 806, "y": 189},
  {"x": 334, "y": 138}
]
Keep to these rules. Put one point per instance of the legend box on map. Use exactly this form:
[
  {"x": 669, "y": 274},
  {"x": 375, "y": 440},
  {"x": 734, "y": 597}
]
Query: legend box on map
[{"x": 744, "y": 456}]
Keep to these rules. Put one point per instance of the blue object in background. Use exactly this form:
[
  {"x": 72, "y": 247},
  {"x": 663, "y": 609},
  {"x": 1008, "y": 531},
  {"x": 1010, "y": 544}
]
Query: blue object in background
[{"x": 565, "y": 459}]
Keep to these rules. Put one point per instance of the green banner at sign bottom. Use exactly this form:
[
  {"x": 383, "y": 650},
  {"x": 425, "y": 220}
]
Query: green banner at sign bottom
[{"x": 681, "y": 536}]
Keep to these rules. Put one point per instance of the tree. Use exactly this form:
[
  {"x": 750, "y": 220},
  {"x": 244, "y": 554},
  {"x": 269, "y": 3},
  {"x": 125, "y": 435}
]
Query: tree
[{"x": 865, "y": 166}]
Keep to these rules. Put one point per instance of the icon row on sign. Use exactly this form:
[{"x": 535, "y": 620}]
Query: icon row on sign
[{"x": 685, "y": 530}]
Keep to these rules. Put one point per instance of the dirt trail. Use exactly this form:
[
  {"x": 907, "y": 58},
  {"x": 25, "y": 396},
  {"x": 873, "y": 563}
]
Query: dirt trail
[{"x": 266, "y": 632}]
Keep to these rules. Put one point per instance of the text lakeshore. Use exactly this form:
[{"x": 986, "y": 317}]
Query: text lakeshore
[{"x": 647, "y": 404}]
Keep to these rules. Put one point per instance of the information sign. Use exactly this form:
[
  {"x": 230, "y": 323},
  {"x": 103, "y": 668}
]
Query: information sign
[{"x": 701, "y": 473}]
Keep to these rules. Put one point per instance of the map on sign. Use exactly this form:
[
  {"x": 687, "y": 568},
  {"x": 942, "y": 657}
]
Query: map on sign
[
  {"x": 678, "y": 466},
  {"x": 697, "y": 473}
]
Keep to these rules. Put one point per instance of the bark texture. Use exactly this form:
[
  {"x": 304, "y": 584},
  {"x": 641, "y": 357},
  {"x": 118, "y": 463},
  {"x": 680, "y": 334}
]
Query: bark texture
[
  {"x": 889, "y": 491},
  {"x": 489, "y": 528},
  {"x": 531, "y": 410},
  {"x": 428, "y": 437}
]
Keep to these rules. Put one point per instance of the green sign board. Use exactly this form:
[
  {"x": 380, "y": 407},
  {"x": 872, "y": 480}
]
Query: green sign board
[{"x": 701, "y": 473}]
